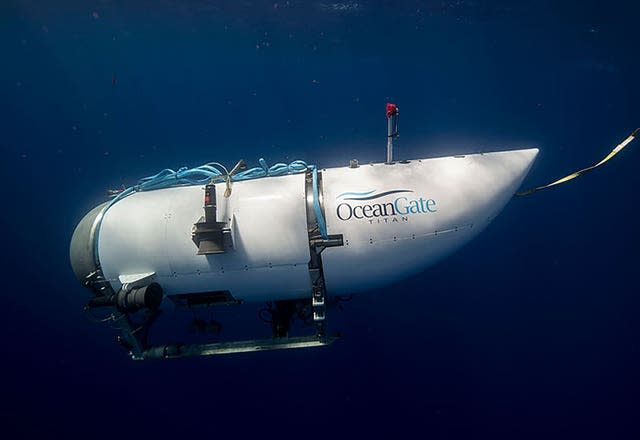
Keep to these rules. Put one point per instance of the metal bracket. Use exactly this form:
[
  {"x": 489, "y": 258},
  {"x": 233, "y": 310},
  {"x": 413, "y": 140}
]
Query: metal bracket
[
  {"x": 318, "y": 304},
  {"x": 320, "y": 244},
  {"x": 317, "y": 244}
]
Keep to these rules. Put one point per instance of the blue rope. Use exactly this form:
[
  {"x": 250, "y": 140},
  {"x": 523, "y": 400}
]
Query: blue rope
[
  {"x": 206, "y": 173},
  {"x": 203, "y": 174}
]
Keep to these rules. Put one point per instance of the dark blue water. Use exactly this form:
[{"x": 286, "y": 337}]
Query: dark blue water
[{"x": 531, "y": 331}]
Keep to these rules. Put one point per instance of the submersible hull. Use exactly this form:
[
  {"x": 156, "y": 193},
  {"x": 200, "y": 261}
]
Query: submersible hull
[{"x": 387, "y": 221}]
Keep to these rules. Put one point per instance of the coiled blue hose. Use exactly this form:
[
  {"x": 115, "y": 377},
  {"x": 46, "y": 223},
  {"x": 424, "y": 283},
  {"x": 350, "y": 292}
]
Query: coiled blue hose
[{"x": 209, "y": 172}]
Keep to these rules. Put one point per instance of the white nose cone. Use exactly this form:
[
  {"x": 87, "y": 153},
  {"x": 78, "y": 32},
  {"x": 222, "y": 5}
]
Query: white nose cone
[{"x": 399, "y": 219}]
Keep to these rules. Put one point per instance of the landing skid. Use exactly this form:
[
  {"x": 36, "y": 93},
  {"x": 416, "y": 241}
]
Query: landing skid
[{"x": 175, "y": 351}]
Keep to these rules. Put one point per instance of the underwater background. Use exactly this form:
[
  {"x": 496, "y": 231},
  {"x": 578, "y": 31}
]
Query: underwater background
[{"x": 530, "y": 331}]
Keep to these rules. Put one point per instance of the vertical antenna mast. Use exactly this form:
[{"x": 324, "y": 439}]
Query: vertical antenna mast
[{"x": 393, "y": 113}]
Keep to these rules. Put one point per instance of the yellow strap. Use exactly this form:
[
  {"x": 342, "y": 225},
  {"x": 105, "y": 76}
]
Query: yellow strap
[{"x": 572, "y": 176}]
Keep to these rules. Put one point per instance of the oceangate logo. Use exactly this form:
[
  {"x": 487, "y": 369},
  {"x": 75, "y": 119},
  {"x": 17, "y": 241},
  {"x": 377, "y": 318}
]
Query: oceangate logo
[{"x": 357, "y": 205}]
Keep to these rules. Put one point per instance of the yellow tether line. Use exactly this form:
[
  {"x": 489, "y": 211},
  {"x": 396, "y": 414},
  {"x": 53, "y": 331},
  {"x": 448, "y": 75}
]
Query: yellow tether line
[{"x": 571, "y": 176}]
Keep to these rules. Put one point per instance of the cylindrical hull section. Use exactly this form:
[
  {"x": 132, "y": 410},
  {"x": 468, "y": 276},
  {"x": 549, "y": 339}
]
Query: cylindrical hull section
[{"x": 151, "y": 232}]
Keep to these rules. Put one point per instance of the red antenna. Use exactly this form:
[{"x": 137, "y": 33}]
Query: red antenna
[{"x": 393, "y": 113}]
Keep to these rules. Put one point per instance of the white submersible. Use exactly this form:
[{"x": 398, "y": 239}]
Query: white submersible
[{"x": 294, "y": 235}]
